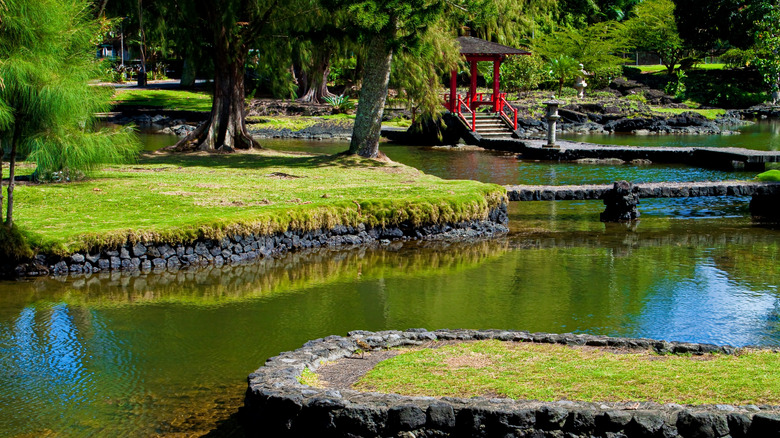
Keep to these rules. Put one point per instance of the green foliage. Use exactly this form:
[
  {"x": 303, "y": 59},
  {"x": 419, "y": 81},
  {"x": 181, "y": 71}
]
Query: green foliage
[
  {"x": 737, "y": 58},
  {"x": 341, "y": 103},
  {"x": 417, "y": 74},
  {"x": 563, "y": 68},
  {"x": 768, "y": 48},
  {"x": 594, "y": 46},
  {"x": 518, "y": 73},
  {"x": 769, "y": 176},
  {"x": 630, "y": 71},
  {"x": 653, "y": 28},
  {"x": 602, "y": 77},
  {"x": 342, "y": 70},
  {"x": 48, "y": 61},
  {"x": 724, "y": 88},
  {"x": 545, "y": 372},
  {"x": 676, "y": 86}
]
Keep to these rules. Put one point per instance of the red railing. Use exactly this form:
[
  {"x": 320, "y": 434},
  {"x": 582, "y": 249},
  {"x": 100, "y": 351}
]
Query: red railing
[
  {"x": 502, "y": 103},
  {"x": 461, "y": 104}
]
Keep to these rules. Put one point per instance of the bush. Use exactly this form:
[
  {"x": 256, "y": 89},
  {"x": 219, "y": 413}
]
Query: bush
[
  {"x": 676, "y": 86},
  {"x": 737, "y": 58},
  {"x": 637, "y": 97},
  {"x": 630, "y": 72},
  {"x": 522, "y": 73},
  {"x": 769, "y": 176},
  {"x": 568, "y": 92},
  {"x": 602, "y": 77}
]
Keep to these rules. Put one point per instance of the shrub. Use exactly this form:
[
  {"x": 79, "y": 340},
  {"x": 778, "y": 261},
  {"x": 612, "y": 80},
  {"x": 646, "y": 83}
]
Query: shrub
[
  {"x": 737, "y": 58},
  {"x": 769, "y": 176},
  {"x": 602, "y": 77},
  {"x": 341, "y": 104},
  {"x": 629, "y": 71}
]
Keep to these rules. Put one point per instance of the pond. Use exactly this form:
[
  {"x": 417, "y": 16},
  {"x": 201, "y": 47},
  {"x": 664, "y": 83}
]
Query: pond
[{"x": 141, "y": 355}]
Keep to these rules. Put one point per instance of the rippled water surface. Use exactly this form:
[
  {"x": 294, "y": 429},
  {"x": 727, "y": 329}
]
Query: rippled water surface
[{"x": 168, "y": 354}]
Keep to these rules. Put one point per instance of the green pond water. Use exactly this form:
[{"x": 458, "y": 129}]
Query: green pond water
[{"x": 168, "y": 354}]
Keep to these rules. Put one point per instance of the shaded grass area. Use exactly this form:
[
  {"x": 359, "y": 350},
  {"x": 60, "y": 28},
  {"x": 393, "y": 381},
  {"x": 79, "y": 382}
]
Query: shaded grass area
[
  {"x": 557, "y": 372},
  {"x": 175, "y": 198},
  {"x": 180, "y": 100}
]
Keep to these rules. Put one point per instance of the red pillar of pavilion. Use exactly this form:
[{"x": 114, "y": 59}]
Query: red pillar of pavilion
[
  {"x": 496, "y": 74},
  {"x": 470, "y": 99}
]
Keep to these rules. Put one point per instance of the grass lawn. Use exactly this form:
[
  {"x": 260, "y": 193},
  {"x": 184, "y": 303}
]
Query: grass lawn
[
  {"x": 711, "y": 114},
  {"x": 657, "y": 68},
  {"x": 165, "y": 99},
  {"x": 295, "y": 123},
  {"x": 556, "y": 372},
  {"x": 183, "y": 197}
]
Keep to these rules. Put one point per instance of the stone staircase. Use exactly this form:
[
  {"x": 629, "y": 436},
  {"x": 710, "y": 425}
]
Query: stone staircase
[{"x": 492, "y": 126}]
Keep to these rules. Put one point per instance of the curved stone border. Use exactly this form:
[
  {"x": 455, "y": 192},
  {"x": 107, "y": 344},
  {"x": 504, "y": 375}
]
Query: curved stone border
[
  {"x": 277, "y": 404},
  {"x": 162, "y": 256}
]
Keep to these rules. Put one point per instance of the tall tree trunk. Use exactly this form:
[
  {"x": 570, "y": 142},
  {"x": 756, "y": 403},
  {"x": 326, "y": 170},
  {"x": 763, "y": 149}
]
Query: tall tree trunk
[
  {"x": 188, "y": 72},
  {"x": 142, "y": 73},
  {"x": 371, "y": 104},
  {"x": 225, "y": 129},
  {"x": 316, "y": 81},
  {"x": 9, "y": 221}
]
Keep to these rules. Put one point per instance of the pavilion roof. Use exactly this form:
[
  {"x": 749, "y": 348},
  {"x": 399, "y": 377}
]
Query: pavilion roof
[{"x": 476, "y": 46}]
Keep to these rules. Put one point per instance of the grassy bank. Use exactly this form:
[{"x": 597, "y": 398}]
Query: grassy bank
[
  {"x": 180, "y": 100},
  {"x": 173, "y": 198},
  {"x": 556, "y": 372}
]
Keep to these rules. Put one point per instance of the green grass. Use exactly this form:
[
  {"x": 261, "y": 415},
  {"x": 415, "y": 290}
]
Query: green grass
[
  {"x": 711, "y": 114},
  {"x": 772, "y": 175},
  {"x": 165, "y": 99},
  {"x": 556, "y": 372},
  {"x": 173, "y": 198},
  {"x": 657, "y": 68},
  {"x": 295, "y": 123}
]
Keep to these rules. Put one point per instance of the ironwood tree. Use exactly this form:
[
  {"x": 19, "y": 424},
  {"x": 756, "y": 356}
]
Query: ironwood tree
[
  {"x": 47, "y": 106},
  {"x": 384, "y": 28}
]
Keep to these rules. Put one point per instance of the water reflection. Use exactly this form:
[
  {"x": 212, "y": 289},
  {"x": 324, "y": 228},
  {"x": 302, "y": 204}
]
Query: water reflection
[
  {"x": 155, "y": 354},
  {"x": 764, "y": 135}
]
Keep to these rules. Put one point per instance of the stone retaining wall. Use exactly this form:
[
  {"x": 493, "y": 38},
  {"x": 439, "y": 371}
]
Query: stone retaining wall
[
  {"x": 277, "y": 404},
  {"x": 158, "y": 257},
  {"x": 645, "y": 190}
]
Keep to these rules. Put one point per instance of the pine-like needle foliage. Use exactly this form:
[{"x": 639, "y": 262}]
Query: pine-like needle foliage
[{"x": 48, "y": 106}]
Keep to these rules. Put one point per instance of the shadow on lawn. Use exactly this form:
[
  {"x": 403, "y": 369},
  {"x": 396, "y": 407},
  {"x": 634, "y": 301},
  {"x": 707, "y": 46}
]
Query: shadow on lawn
[{"x": 259, "y": 161}]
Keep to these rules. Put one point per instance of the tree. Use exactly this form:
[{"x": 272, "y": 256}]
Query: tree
[
  {"x": 47, "y": 106},
  {"x": 718, "y": 24},
  {"x": 653, "y": 28},
  {"x": 385, "y": 28},
  {"x": 562, "y": 68},
  {"x": 233, "y": 28},
  {"x": 768, "y": 49},
  {"x": 593, "y": 46},
  {"x": 417, "y": 74}
]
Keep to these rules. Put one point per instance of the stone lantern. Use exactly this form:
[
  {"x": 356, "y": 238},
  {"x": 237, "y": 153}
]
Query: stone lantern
[{"x": 552, "y": 120}]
